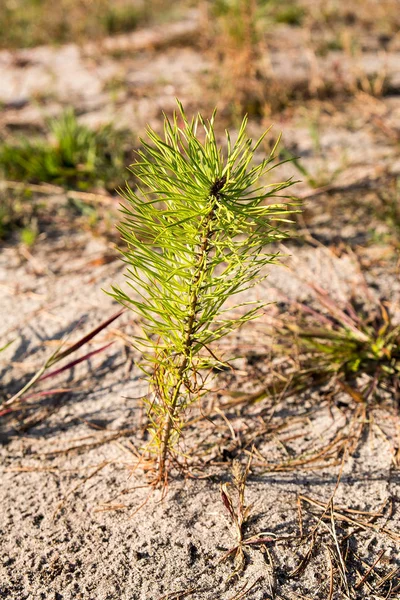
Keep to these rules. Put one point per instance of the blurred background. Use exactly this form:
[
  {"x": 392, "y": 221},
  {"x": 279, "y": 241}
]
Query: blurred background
[{"x": 79, "y": 81}]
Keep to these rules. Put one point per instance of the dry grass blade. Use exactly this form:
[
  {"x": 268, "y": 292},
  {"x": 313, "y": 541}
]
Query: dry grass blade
[
  {"x": 301, "y": 567},
  {"x": 243, "y": 593},
  {"x": 233, "y": 498},
  {"x": 331, "y": 579},
  {"x": 7, "y": 406},
  {"x": 361, "y": 523},
  {"x": 388, "y": 577},
  {"x": 348, "y": 572},
  {"x": 58, "y": 355},
  {"x": 343, "y": 570},
  {"x": 329, "y": 454},
  {"x": 370, "y": 569},
  {"x": 105, "y": 439},
  {"x": 75, "y": 362}
]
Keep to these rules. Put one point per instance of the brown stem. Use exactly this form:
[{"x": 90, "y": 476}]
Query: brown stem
[{"x": 201, "y": 265}]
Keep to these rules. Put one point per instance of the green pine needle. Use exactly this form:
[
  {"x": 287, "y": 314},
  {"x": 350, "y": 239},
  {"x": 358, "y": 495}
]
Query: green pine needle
[{"x": 197, "y": 232}]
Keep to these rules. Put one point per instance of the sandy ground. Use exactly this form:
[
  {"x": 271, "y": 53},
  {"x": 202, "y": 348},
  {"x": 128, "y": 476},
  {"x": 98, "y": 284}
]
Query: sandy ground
[
  {"x": 77, "y": 521},
  {"x": 69, "y": 495}
]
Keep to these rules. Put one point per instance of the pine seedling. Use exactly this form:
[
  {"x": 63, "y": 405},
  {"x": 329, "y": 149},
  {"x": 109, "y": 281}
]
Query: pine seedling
[{"x": 197, "y": 232}]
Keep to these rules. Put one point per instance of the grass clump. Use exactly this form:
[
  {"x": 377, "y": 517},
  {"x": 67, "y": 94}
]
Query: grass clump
[
  {"x": 388, "y": 209},
  {"x": 235, "y": 35},
  {"x": 71, "y": 155},
  {"x": 238, "y": 34},
  {"x": 12, "y": 213},
  {"x": 239, "y": 512},
  {"x": 290, "y": 13},
  {"x": 239, "y": 19},
  {"x": 71, "y": 158},
  {"x": 355, "y": 347},
  {"x": 28, "y": 23},
  {"x": 197, "y": 233}
]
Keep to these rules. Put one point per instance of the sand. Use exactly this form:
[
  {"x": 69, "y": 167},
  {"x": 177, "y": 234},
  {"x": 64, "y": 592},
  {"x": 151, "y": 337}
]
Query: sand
[{"x": 78, "y": 519}]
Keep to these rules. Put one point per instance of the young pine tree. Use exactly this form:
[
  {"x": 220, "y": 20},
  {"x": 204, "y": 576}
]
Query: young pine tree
[{"x": 197, "y": 232}]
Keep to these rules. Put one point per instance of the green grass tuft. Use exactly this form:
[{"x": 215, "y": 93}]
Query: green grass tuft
[
  {"x": 29, "y": 23},
  {"x": 355, "y": 346},
  {"x": 71, "y": 155},
  {"x": 291, "y": 14}
]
